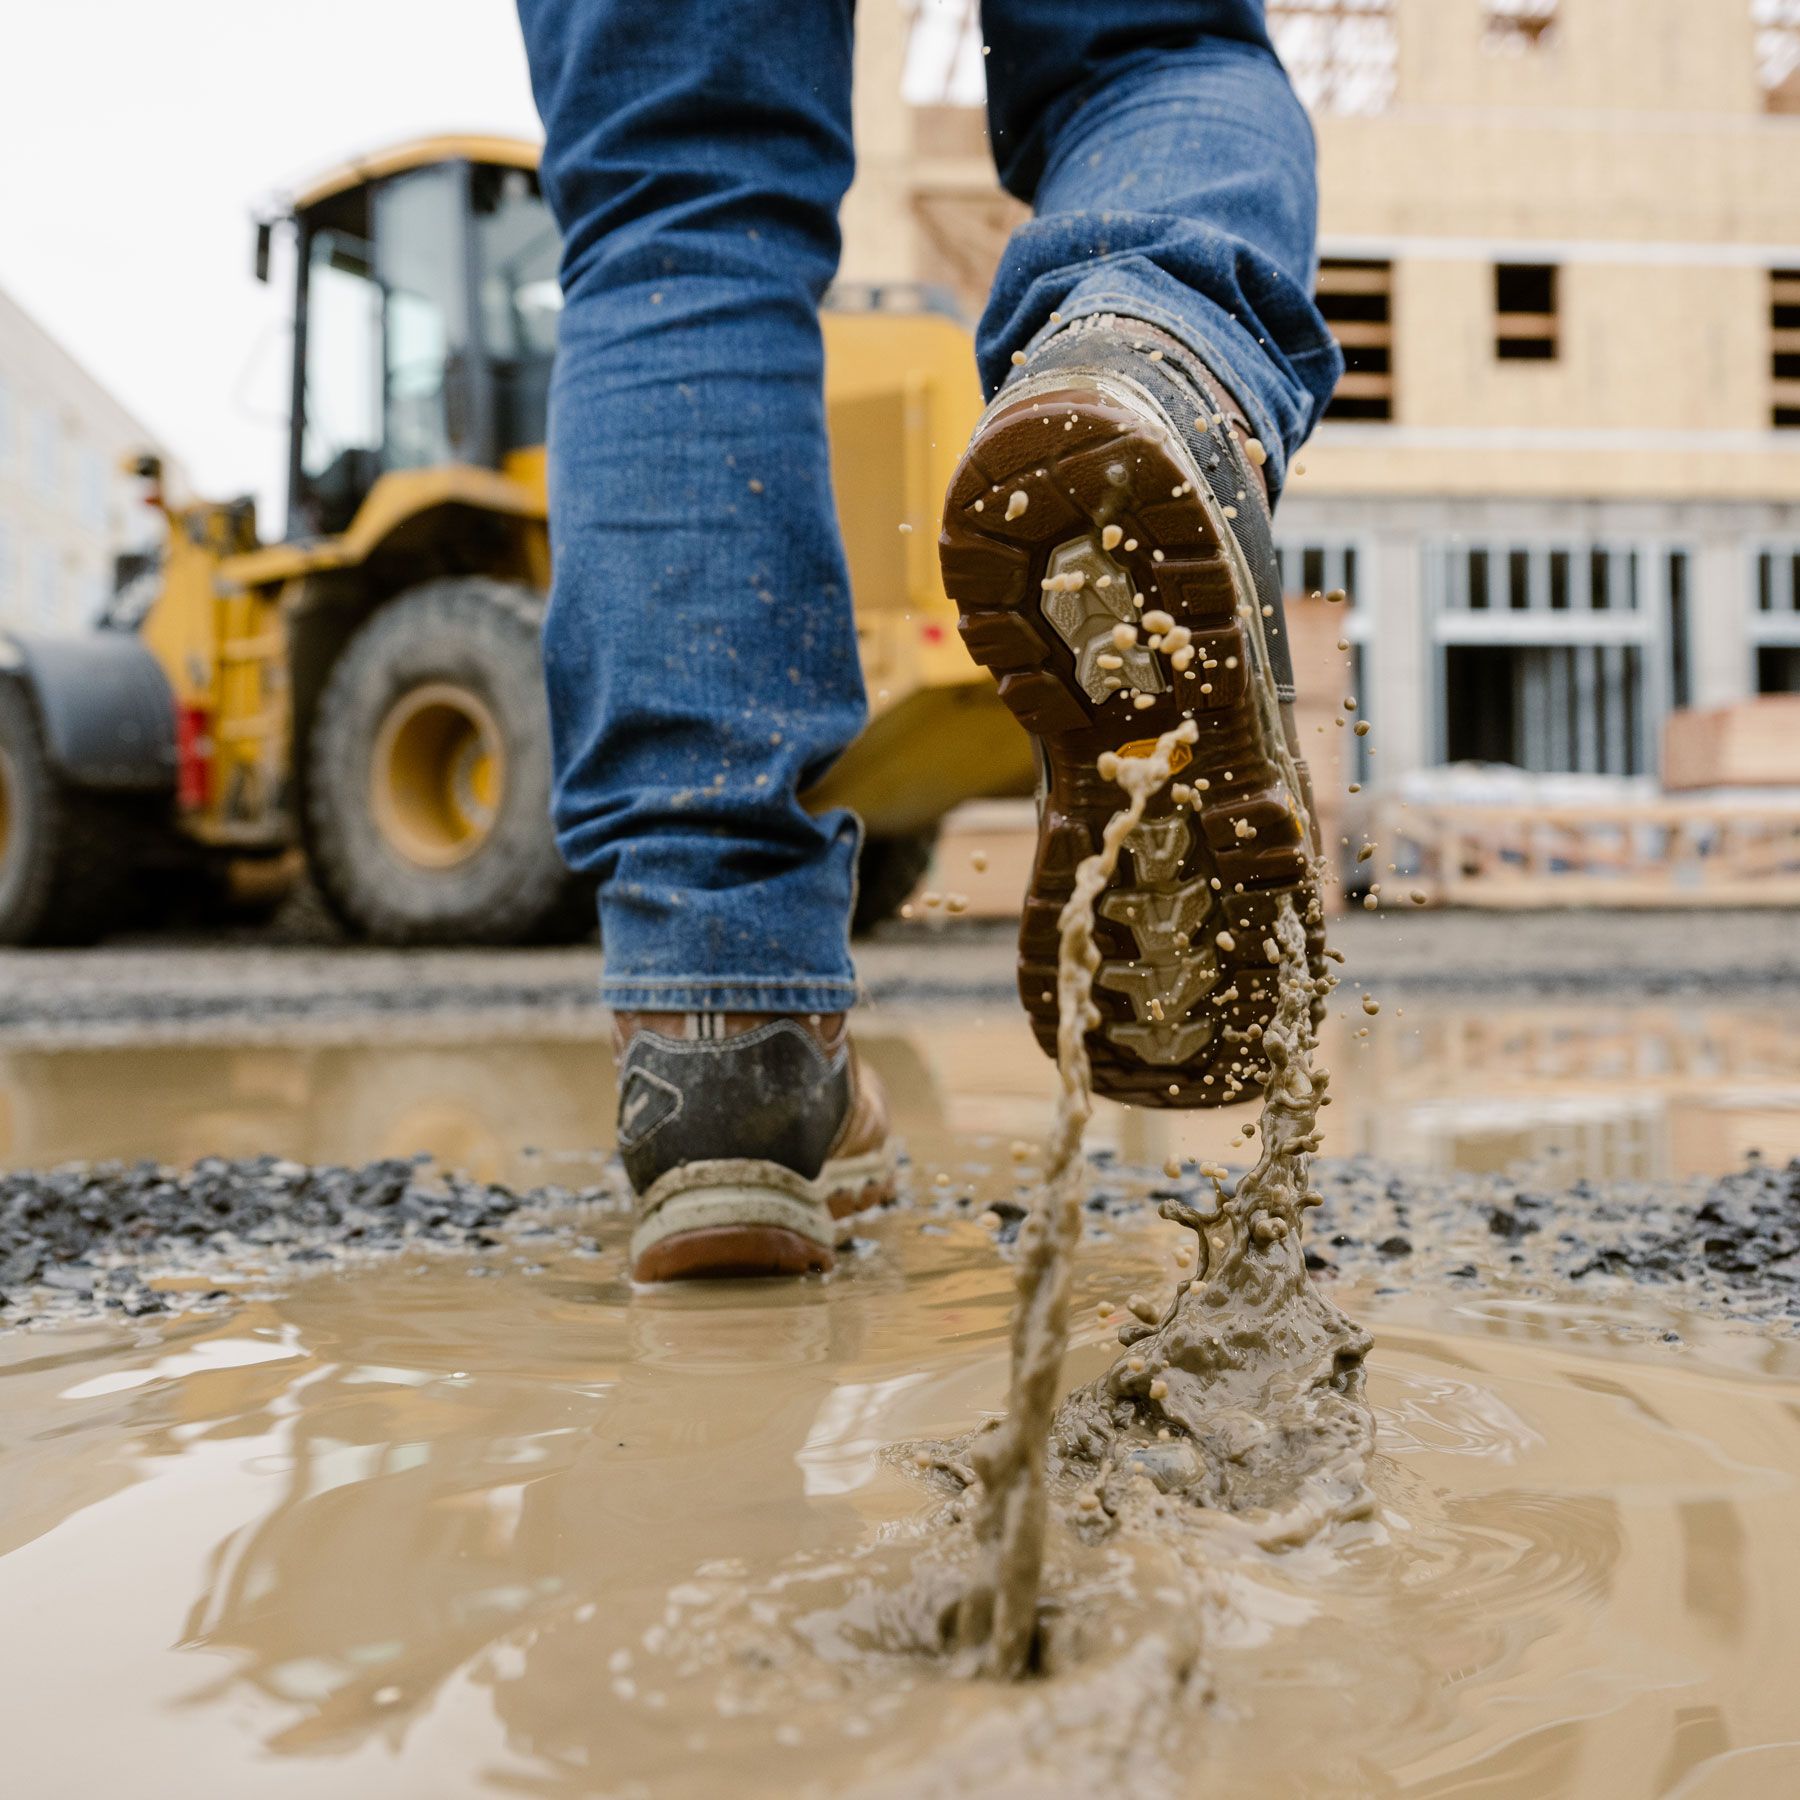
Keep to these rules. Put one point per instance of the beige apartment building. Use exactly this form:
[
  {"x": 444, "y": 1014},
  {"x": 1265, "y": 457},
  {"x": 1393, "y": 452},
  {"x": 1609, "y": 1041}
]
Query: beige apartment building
[
  {"x": 1561, "y": 249},
  {"x": 65, "y": 508}
]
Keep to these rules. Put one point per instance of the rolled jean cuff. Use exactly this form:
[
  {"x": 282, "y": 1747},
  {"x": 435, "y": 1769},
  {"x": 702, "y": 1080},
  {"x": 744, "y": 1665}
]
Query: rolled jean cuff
[
  {"x": 1228, "y": 350},
  {"x": 731, "y": 993}
]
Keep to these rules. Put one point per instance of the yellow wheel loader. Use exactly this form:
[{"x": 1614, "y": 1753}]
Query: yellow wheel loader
[{"x": 366, "y": 689}]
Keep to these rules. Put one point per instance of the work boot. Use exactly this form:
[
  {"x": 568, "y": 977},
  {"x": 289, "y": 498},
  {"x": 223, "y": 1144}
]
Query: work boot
[
  {"x": 750, "y": 1139},
  {"x": 1106, "y": 538}
]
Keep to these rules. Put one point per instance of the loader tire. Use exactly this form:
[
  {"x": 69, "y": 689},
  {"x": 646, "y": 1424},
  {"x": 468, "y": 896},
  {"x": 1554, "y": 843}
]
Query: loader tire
[
  {"x": 427, "y": 776},
  {"x": 66, "y": 855},
  {"x": 888, "y": 870}
]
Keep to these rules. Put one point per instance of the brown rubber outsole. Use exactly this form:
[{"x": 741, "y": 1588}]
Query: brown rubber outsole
[
  {"x": 1176, "y": 1003},
  {"x": 746, "y": 1252},
  {"x": 728, "y": 1252}
]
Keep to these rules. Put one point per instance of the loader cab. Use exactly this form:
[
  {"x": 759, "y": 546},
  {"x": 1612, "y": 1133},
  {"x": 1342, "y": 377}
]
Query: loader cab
[{"x": 424, "y": 324}]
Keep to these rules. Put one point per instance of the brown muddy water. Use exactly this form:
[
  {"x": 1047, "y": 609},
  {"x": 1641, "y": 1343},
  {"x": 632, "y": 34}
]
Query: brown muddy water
[
  {"x": 400, "y": 1531},
  {"x": 1609, "y": 1089},
  {"x": 445, "y": 1525}
]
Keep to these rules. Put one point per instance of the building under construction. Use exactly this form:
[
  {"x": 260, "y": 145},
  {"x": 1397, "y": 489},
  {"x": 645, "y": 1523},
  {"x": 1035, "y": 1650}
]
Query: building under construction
[{"x": 1561, "y": 477}]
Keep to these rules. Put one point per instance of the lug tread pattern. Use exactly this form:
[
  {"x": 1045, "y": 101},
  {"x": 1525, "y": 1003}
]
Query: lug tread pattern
[{"x": 1085, "y": 460}]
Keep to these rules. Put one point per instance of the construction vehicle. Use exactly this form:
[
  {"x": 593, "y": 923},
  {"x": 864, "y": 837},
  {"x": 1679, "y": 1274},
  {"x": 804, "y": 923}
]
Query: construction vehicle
[{"x": 366, "y": 690}]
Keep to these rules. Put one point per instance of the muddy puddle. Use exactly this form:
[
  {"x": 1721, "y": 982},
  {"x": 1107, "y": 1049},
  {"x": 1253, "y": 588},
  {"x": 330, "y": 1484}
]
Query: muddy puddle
[
  {"x": 1604, "y": 1089},
  {"x": 441, "y": 1526},
  {"x": 434, "y": 1523}
]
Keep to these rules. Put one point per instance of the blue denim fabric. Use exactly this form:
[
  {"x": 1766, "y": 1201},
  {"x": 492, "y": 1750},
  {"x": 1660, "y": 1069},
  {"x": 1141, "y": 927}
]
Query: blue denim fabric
[{"x": 700, "y": 650}]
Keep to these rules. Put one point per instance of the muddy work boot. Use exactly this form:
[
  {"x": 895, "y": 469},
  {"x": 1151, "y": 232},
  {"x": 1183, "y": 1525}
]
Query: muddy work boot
[
  {"x": 750, "y": 1140},
  {"x": 1106, "y": 539}
]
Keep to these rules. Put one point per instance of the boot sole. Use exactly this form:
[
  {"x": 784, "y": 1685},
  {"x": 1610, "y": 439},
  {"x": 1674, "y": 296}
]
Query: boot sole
[
  {"x": 1090, "y": 451},
  {"x": 742, "y": 1217}
]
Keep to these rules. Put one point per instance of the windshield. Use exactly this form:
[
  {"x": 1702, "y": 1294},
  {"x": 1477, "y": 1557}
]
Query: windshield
[
  {"x": 343, "y": 357},
  {"x": 419, "y": 257},
  {"x": 517, "y": 250},
  {"x": 429, "y": 324},
  {"x": 386, "y": 370}
]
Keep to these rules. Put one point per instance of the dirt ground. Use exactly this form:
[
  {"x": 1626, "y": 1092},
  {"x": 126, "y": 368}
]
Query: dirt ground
[{"x": 176, "y": 983}]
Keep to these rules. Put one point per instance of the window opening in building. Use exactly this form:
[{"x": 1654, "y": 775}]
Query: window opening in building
[
  {"x": 1313, "y": 568},
  {"x": 1775, "y": 624},
  {"x": 1341, "y": 54},
  {"x": 1356, "y": 298},
  {"x": 1557, "y": 659},
  {"x": 1525, "y": 312},
  {"x": 1678, "y": 576},
  {"x": 1777, "y": 25},
  {"x": 1519, "y": 25},
  {"x": 1323, "y": 568},
  {"x": 1784, "y": 347}
]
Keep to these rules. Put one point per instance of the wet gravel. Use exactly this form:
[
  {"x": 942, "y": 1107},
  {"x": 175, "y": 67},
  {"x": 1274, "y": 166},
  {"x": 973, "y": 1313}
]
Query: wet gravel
[
  {"x": 1729, "y": 1244},
  {"x": 90, "y": 1238},
  {"x": 95, "y": 1239}
]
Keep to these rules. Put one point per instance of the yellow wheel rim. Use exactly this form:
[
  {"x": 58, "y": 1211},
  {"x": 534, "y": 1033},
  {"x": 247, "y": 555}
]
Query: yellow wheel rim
[{"x": 438, "y": 776}]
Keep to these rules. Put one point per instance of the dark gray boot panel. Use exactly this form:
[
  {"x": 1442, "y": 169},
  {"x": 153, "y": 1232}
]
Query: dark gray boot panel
[
  {"x": 770, "y": 1094},
  {"x": 1104, "y": 345}
]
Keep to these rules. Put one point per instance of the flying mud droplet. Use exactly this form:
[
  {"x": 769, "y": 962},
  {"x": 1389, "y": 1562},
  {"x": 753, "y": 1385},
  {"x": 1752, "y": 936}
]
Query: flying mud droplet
[
  {"x": 997, "y": 1616},
  {"x": 1168, "y": 1420}
]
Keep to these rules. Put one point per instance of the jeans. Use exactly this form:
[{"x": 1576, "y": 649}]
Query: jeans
[{"x": 699, "y": 648}]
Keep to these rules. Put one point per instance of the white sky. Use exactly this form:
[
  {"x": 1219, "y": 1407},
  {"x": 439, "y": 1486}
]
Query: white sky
[{"x": 136, "y": 136}]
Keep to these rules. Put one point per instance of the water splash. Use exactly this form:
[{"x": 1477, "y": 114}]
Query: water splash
[{"x": 1247, "y": 1396}]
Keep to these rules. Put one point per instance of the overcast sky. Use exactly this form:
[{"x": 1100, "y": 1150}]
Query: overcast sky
[{"x": 136, "y": 136}]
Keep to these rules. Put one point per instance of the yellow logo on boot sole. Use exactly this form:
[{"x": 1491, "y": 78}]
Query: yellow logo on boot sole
[{"x": 1179, "y": 754}]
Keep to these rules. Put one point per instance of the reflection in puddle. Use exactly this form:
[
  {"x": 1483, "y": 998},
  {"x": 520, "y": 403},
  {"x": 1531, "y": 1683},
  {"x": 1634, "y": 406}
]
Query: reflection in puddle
[
  {"x": 1613, "y": 1090},
  {"x": 457, "y": 1525},
  {"x": 404, "y": 1531}
]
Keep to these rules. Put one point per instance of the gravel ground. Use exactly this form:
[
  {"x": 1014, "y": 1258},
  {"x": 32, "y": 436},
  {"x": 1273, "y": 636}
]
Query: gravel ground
[
  {"x": 80, "y": 1241},
  {"x": 87, "y": 1238},
  {"x": 254, "y": 986}
]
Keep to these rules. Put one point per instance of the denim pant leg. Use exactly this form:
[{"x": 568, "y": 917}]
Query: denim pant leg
[
  {"x": 700, "y": 651},
  {"x": 1173, "y": 175}
]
